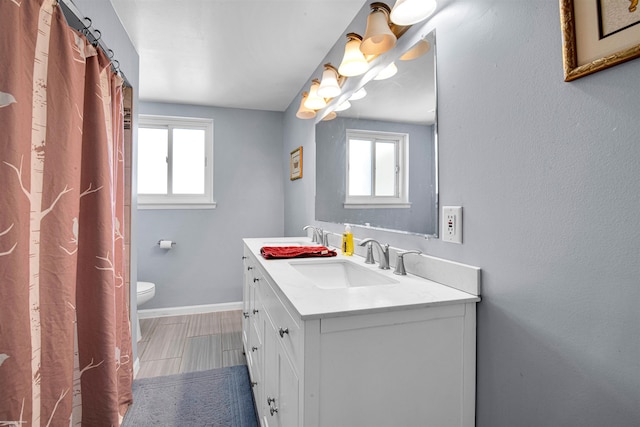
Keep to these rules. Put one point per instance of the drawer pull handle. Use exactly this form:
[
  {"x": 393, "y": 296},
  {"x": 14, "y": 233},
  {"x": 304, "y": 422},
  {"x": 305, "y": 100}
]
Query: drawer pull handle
[
  {"x": 270, "y": 400},
  {"x": 249, "y": 268},
  {"x": 273, "y": 411},
  {"x": 244, "y": 257},
  {"x": 254, "y": 383},
  {"x": 245, "y": 314},
  {"x": 254, "y": 348},
  {"x": 255, "y": 311},
  {"x": 255, "y": 279},
  {"x": 283, "y": 331}
]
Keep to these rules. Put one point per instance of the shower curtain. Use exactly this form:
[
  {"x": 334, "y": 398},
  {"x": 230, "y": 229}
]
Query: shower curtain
[{"x": 65, "y": 340}]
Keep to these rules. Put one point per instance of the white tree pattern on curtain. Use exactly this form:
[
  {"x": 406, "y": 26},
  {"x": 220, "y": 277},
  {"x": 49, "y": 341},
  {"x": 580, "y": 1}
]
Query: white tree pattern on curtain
[{"x": 65, "y": 342}]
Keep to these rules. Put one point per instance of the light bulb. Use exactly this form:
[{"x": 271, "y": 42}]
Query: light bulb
[
  {"x": 409, "y": 12},
  {"x": 389, "y": 71},
  {"x": 329, "y": 87},
  {"x": 315, "y": 101},
  {"x": 359, "y": 94},
  {"x": 304, "y": 112},
  {"x": 378, "y": 37},
  {"x": 332, "y": 115},
  {"x": 353, "y": 63},
  {"x": 416, "y": 51}
]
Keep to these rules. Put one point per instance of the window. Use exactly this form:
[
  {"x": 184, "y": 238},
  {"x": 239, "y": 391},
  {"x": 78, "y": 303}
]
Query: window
[
  {"x": 377, "y": 170},
  {"x": 175, "y": 162}
]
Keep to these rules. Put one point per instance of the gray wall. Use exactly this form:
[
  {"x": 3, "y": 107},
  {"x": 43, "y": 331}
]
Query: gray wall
[
  {"x": 547, "y": 172},
  {"x": 205, "y": 266}
]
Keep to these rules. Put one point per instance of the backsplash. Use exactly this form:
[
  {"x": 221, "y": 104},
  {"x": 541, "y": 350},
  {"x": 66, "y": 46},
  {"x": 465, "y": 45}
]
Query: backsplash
[{"x": 463, "y": 277}]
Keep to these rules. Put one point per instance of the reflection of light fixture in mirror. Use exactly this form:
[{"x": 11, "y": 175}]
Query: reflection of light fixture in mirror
[
  {"x": 329, "y": 87},
  {"x": 389, "y": 71},
  {"x": 304, "y": 112},
  {"x": 332, "y": 115},
  {"x": 344, "y": 106},
  {"x": 378, "y": 37},
  {"x": 409, "y": 12},
  {"x": 353, "y": 62},
  {"x": 315, "y": 101},
  {"x": 416, "y": 51},
  {"x": 359, "y": 94}
]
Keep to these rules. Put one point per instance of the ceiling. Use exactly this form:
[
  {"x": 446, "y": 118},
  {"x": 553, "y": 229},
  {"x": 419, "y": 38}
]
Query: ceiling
[{"x": 231, "y": 53}]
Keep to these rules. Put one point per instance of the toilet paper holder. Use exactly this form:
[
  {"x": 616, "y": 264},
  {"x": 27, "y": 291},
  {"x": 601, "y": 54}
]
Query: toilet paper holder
[{"x": 161, "y": 241}]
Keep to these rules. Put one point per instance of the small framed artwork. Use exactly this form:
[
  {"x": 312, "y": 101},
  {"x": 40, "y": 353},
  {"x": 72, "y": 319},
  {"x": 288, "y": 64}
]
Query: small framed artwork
[
  {"x": 295, "y": 164},
  {"x": 598, "y": 34}
]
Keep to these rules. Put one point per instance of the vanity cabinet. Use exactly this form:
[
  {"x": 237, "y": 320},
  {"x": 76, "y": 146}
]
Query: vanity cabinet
[
  {"x": 408, "y": 366},
  {"x": 268, "y": 329}
]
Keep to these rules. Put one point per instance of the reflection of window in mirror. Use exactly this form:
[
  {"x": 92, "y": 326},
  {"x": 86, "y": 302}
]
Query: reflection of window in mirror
[{"x": 377, "y": 169}]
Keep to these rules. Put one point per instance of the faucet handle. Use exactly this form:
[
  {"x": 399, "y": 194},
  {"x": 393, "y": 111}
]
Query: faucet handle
[
  {"x": 400, "y": 270},
  {"x": 325, "y": 238},
  {"x": 370, "y": 259}
]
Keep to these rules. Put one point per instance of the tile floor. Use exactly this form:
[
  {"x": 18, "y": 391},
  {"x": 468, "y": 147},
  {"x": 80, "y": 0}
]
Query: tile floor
[{"x": 197, "y": 342}]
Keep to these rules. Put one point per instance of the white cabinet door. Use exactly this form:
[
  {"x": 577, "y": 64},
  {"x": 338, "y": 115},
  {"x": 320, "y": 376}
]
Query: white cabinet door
[
  {"x": 255, "y": 360},
  {"x": 281, "y": 382},
  {"x": 247, "y": 300}
]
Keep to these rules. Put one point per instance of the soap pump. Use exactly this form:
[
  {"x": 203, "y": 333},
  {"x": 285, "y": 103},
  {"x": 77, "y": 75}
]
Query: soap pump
[{"x": 347, "y": 241}]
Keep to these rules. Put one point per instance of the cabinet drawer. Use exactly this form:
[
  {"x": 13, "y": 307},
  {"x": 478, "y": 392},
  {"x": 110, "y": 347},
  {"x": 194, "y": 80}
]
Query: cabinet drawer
[{"x": 287, "y": 327}]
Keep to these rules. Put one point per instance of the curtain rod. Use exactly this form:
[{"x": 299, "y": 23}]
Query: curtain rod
[{"x": 76, "y": 20}]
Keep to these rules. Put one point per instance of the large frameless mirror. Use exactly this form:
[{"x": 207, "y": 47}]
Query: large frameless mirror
[{"x": 376, "y": 162}]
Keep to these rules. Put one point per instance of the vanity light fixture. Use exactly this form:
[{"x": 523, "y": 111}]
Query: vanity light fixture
[
  {"x": 389, "y": 71},
  {"x": 353, "y": 62},
  {"x": 416, "y": 51},
  {"x": 315, "y": 101},
  {"x": 304, "y": 112},
  {"x": 329, "y": 86},
  {"x": 344, "y": 106},
  {"x": 409, "y": 12},
  {"x": 378, "y": 37},
  {"x": 359, "y": 94}
]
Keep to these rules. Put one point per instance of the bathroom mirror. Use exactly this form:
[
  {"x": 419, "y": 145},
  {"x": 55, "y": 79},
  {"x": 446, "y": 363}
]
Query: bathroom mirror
[{"x": 404, "y": 104}]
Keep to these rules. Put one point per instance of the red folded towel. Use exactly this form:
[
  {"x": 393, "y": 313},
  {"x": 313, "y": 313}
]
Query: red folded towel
[{"x": 274, "y": 252}]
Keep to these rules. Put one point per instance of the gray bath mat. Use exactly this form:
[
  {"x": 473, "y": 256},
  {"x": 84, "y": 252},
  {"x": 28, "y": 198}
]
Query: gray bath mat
[{"x": 214, "y": 398}]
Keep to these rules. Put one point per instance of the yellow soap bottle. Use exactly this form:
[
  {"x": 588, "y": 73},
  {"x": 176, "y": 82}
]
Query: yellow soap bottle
[{"x": 347, "y": 241}]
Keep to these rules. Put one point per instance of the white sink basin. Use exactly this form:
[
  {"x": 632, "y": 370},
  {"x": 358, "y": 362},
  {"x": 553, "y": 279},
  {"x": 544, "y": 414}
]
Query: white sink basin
[{"x": 339, "y": 274}]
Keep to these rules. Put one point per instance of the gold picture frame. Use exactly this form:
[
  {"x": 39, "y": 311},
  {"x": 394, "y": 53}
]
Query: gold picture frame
[
  {"x": 594, "y": 41},
  {"x": 295, "y": 164}
]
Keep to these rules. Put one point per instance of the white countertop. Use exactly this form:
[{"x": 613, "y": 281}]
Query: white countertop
[{"x": 312, "y": 302}]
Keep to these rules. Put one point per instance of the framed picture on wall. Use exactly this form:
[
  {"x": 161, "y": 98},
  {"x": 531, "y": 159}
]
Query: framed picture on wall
[
  {"x": 295, "y": 164},
  {"x": 598, "y": 34}
]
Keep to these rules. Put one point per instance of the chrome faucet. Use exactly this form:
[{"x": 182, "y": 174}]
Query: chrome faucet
[
  {"x": 384, "y": 253},
  {"x": 400, "y": 270},
  {"x": 318, "y": 235}
]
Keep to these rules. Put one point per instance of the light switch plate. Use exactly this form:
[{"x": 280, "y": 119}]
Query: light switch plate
[{"x": 452, "y": 224}]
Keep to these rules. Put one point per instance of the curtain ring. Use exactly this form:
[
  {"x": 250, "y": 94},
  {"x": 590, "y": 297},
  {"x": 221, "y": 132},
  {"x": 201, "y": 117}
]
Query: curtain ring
[
  {"x": 86, "y": 27},
  {"x": 96, "y": 40},
  {"x": 116, "y": 64},
  {"x": 110, "y": 53}
]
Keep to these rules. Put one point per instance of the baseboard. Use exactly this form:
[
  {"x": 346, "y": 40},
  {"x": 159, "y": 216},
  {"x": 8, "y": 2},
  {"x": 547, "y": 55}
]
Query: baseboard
[{"x": 191, "y": 309}]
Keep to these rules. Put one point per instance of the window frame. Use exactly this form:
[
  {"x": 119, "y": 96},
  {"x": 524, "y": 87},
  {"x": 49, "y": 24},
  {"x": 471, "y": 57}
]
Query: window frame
[
  {"x": 181, "y": 201},
  {"x": 401, "y": 200}
]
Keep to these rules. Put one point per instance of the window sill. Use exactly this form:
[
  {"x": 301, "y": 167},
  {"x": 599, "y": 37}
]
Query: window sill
[
  {"x": 394, "y": 205},
  {"x": 168, "y": 206}
]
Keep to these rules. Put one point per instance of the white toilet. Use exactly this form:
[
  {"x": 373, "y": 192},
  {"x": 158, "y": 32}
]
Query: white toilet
[{"x": 145, "y": 291}]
